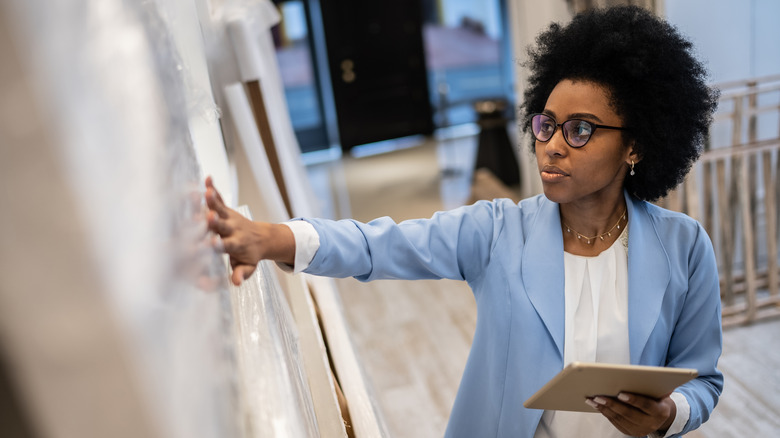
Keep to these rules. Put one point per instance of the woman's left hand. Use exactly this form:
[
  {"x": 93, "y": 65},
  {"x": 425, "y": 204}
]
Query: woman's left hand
[{"x": 636, "y": 415}]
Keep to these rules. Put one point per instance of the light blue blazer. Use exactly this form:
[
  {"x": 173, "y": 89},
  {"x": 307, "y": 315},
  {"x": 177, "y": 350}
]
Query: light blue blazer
[{"x": 512, "y": 257}]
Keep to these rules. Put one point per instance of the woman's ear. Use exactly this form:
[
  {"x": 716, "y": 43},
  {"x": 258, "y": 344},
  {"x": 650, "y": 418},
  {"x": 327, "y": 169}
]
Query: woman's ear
[{"x": 633, "y": 156}]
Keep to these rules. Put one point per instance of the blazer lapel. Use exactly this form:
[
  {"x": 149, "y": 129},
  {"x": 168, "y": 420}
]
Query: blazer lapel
[
  {"x": 648, "y": 276},
  {"x": 542, "y": 269}
]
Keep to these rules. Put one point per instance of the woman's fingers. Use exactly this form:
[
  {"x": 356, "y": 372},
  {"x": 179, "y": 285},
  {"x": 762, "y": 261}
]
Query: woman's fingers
[
  {"x": 233, "y": 236},
  {"x": 210, "y": 185},
  {"x": 624, "y": 417},
  {"x": 241, "y": 272},
  {"x": 645, "y": 404},
  {"x": 633, "y": 414},
  {"x": 214, "y": 199},
  {"x": 214, "y": 203},
  {"x": 232, "y": 232},
  {"x": 216, "y": 243},
  {"x": 218, "y": 225}
]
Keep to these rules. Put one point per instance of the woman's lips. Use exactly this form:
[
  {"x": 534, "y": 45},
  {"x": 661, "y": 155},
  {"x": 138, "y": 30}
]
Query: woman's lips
[{"x": 552, "y": 174}]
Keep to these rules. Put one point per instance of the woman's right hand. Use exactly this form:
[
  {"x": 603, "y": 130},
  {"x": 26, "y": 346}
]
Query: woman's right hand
[{"x": 245, "y": 241}]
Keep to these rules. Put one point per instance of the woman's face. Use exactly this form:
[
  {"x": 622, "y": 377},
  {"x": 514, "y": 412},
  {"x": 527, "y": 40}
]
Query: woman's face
[{"x": 595, "y": 172}]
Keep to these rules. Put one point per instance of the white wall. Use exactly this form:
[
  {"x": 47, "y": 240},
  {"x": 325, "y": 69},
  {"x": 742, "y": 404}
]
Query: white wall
[{"x": 737, "y": 39}]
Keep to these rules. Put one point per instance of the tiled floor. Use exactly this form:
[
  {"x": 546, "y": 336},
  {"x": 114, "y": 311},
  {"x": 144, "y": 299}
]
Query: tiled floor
[{"x": 414, "y": 337}]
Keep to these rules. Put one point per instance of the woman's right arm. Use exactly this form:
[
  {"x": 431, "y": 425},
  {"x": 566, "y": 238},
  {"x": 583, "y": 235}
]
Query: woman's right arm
[{"x": 455, "y": 244}]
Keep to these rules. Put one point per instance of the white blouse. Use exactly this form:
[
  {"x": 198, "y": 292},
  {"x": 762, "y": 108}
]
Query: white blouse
[{"x": 596, "y": 330}]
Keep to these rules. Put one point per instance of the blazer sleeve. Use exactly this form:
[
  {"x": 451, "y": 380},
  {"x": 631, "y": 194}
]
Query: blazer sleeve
[
  {"x": 697, "y": 338},
  {"x": 455, "y": 244}
]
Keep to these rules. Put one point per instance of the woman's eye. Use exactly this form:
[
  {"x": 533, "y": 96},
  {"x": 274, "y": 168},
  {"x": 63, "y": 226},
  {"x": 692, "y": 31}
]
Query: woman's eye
[
  {"x": 547, "y": 127},
  {"x": 582, "y": 129}
]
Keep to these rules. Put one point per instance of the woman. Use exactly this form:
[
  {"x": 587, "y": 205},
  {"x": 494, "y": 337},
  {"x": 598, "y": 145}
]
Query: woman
[{"x": 590, "y": 271}]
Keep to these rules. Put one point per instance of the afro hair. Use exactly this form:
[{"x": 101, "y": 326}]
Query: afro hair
[{"x": 654, "y": 80}]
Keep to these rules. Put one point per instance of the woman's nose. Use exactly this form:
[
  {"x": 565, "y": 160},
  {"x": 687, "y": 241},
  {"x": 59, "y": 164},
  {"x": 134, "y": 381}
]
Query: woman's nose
[{"x": 556, "y": 145}]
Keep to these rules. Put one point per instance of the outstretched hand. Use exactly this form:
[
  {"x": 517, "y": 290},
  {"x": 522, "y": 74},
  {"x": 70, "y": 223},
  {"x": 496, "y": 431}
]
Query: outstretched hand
[
  {"x": 636, "y": 415},
  {"x": 245, "y": 241}
]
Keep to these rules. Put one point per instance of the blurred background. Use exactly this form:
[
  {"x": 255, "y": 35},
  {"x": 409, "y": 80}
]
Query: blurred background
[{"x": 116, "y": 318}]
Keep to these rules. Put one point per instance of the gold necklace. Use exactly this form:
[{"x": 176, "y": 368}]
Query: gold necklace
[{"x": 588, "y": 240}]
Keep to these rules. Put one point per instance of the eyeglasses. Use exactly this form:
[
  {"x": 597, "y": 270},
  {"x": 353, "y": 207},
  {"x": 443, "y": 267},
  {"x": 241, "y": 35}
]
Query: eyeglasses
[{"x": 576, "y": 132}]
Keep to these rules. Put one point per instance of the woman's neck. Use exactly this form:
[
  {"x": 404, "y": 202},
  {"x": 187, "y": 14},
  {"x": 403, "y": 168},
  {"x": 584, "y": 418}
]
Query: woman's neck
[{"x": 589, "y": 230}]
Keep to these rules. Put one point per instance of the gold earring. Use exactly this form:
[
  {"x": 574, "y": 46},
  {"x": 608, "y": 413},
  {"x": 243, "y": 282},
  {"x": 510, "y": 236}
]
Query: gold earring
[{"x": 632, "y": 168}]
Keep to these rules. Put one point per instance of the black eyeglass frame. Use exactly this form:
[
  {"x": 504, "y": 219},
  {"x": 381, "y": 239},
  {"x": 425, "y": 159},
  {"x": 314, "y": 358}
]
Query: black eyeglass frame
[{"x": 565, "y": 135}]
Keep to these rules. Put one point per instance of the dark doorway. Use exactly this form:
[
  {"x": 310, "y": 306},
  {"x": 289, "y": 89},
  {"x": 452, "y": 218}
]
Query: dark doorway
[
  {"x": 295, "y": 53},
  {"x": 377, "y": 67}
]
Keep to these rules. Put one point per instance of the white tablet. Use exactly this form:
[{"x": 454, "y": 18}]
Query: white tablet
[{"x": 569, "y": 388}]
